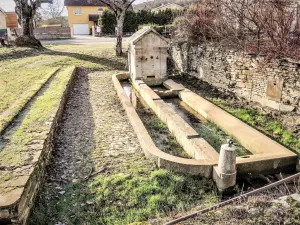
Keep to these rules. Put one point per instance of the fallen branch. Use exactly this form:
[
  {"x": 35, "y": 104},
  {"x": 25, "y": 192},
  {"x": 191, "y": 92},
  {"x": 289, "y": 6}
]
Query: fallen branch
[{"x": 230, "y": 201}]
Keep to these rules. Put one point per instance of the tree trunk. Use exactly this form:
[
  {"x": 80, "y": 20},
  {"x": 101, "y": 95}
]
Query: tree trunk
[
  {"x": 26, "y": 15},
  {"x": 120, "y": 25}
]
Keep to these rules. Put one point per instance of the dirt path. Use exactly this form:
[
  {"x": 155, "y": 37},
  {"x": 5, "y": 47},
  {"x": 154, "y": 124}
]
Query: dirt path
[{"x": 95, "y": 133}]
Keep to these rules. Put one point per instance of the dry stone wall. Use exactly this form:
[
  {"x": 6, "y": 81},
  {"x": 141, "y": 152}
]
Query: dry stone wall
[{"x": 273, "y": 83}]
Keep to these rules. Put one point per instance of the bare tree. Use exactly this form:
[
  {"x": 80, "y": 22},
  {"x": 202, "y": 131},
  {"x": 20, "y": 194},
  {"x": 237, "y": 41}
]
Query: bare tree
[
  {"x": 119, "y": 7},
  {"x": 26, "y": 10},
  {"x": 53, "y": 10},
  {"x": 269, "y": 28}
]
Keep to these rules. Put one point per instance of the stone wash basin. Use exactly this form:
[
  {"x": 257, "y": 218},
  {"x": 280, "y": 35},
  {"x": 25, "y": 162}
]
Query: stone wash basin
[{"x": 268, "y": 156}]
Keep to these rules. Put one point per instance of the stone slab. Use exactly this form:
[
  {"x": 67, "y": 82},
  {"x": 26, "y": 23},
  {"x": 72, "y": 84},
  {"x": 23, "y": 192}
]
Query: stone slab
[
  {"x": 268, "y": 154},
  {"x": 172, "y": 85}
]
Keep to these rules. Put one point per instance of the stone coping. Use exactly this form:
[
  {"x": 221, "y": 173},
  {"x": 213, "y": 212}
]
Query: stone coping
[
  {"x": 162, "y": 159},
  {"x": 268, "y": 155},
  {"x": 21, "y": 181}
]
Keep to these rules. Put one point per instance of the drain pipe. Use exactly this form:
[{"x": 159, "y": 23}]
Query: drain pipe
[{"x": 239, "y": 198}]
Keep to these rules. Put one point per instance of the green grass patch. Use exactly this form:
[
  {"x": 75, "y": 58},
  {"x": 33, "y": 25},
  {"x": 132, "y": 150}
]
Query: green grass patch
[
  {"x": 263, "y": 123},
  {"x": 23, "y": 70},
  {"x": 16, "y": 152},
  {"x": 13, "y": 106},
  {"x": 124, "y": 198}
]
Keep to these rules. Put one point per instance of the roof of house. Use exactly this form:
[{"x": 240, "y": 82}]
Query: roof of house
[
  {"x": 142, "y": 32},
  {"x": 83, "y": 3},
  {"x": 1, "y": 10},
  {"x": 166, "y": 5},
  {"x": 12, "y": 20}
]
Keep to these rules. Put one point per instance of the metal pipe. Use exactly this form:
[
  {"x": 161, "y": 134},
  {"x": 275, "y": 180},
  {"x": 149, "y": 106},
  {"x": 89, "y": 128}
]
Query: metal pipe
[{"x": 239, "y": 198}]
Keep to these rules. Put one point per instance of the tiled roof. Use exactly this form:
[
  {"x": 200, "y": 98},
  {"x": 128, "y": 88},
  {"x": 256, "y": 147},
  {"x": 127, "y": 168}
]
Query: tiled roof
[{"x": 83, "y": 3}]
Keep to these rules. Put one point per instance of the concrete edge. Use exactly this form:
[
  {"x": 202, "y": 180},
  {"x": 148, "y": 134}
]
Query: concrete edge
[
  {"x": 162, "y": 159},
  {"x": 260, "y": 162},
  {"x": 14, "y": 212}
]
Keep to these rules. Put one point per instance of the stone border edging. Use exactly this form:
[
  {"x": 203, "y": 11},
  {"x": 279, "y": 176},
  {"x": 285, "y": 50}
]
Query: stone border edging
[
  {"x": 19, "y": 211},
  {"x": 162, "y": 159},
  {"x": 45, "y": 158}
]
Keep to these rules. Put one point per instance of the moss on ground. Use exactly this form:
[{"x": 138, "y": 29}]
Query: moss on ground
[{"x": 124, "y": 198}]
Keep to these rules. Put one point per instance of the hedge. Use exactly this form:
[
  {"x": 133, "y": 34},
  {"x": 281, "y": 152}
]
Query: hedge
[{"x": 134, "y": 19}]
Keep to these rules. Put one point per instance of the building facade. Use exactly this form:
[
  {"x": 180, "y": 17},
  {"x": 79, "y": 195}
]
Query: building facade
[
  {"x": 83, "y": 15},
  {"x": 2, "y": 19}
]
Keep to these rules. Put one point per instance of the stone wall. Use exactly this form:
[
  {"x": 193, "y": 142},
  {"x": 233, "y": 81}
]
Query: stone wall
[
  {"x": 273, "y": 83},
  {"x": 52, "y": 33},
  {"x": 45, "y": 33},
  {"x": 35, "y": 180}
]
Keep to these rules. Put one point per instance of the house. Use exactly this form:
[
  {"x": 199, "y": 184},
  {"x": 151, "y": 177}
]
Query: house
[
  {"x": 171, "y": 6},
  {"x": 84, "y": 14},
  {"x": 2, "y": 19},
  {"x": 12, "y": 20}
]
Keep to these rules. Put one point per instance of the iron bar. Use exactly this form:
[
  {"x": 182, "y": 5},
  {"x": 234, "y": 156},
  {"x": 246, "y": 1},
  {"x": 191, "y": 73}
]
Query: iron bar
[{"x": 227, "y": 202}]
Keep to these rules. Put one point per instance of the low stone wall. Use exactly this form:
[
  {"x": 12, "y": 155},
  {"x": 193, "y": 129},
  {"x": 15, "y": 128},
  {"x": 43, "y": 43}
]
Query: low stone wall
[
  {"x": 273, "y": 83},
  {"x": 18, "y": 199},
  {"x": 53, "y": 33}
]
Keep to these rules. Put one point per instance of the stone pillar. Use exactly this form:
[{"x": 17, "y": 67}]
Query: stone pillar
[
  {"x": 225, "y": 173},
  {"x": 93, "y": 31},
  {"x": 72, "y": 32}
]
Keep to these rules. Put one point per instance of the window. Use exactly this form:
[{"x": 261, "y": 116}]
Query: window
[
  {"x": 77, "y": 11},
  {"x": 100, "y": 11}
]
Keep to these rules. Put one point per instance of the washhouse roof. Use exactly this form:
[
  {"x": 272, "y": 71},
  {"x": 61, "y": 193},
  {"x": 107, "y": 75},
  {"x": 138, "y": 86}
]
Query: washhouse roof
[{"x": 141, "y": 33}]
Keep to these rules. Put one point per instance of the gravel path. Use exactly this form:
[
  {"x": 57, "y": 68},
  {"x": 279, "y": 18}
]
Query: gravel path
[{"x": 95, "y": 133}]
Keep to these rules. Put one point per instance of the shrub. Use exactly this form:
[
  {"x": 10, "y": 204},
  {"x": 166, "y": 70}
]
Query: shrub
[
  {"x": 269, "y": 28},
  {"x": 134, "y": 20}
]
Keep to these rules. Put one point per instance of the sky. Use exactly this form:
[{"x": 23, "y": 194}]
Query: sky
[{"x": 9, "y": 5}]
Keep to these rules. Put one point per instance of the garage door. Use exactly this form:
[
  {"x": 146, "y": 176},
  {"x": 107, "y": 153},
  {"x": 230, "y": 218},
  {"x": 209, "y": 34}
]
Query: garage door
[{"x": 81, "y": 29}]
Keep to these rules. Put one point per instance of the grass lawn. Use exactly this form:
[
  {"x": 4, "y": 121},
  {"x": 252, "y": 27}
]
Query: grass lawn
[{"x": 23, "y": 71}]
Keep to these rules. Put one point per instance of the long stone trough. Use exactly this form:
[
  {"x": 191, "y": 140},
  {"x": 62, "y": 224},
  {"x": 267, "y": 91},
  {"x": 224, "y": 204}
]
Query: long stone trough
[{"x": 268, "y": 156}]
